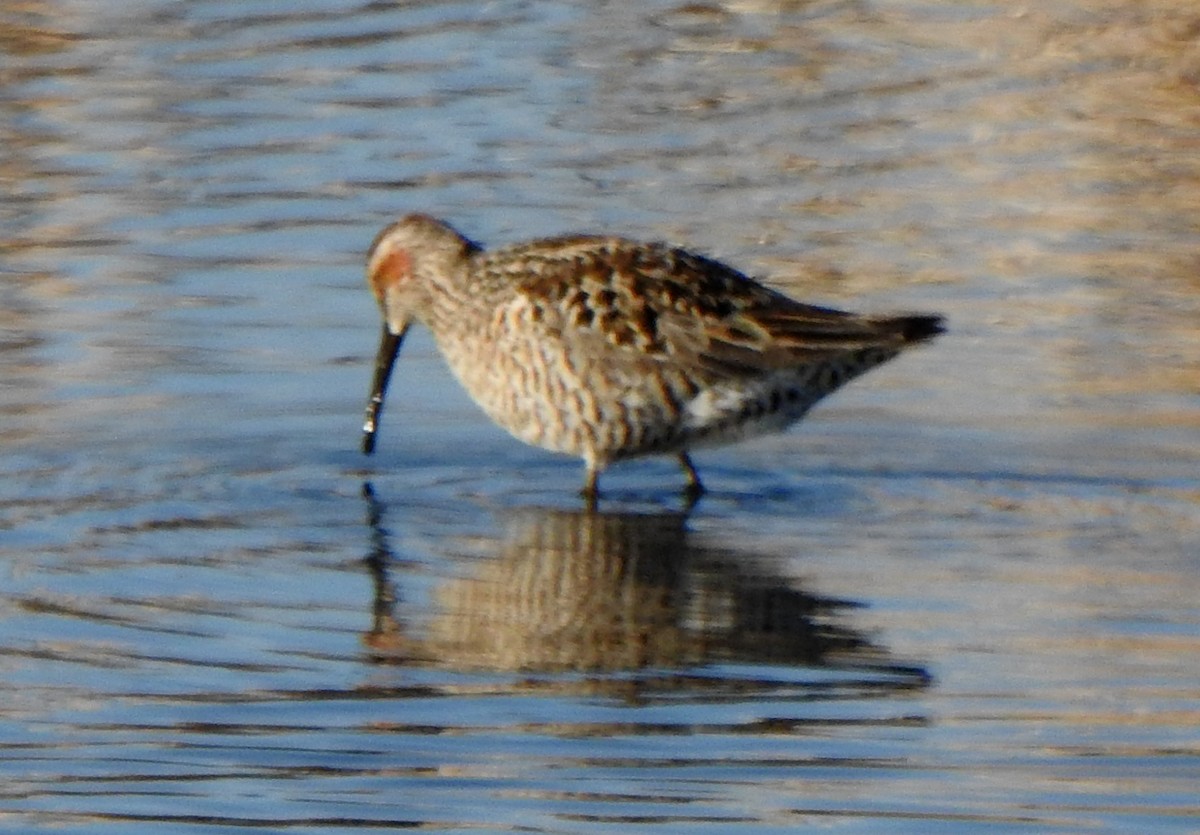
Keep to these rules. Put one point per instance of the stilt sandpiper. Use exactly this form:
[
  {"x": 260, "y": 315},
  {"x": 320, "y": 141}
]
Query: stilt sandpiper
[{"x": 607, "y": 348}]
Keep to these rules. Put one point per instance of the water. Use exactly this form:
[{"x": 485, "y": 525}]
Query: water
[{"x": 961, "y": 597}]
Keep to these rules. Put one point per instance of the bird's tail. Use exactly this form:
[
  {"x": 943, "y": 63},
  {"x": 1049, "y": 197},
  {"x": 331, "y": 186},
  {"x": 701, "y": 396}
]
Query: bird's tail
[{"x": 912, "y": 329}]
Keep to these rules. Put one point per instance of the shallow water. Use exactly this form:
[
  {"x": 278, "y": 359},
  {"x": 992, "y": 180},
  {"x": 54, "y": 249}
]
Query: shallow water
[{"x": 961, "y": 596}]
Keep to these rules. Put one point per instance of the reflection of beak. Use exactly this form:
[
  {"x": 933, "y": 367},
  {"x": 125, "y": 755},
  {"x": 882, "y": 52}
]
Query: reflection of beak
[{"x": 389, "y": 347}]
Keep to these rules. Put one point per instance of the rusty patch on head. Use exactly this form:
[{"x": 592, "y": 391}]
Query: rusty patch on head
[{"x": 389, "y": 271}]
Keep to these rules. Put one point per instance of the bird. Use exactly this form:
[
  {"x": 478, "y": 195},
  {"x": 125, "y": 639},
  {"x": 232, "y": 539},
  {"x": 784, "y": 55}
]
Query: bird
[{"x": 608, "y": 348}]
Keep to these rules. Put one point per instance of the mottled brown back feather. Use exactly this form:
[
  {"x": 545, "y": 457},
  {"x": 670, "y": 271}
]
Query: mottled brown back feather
[{"x": 663, "y": 303}]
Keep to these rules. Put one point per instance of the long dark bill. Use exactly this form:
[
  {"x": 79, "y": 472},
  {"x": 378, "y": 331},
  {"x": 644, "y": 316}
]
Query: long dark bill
[{"x": 389, "y": 347}]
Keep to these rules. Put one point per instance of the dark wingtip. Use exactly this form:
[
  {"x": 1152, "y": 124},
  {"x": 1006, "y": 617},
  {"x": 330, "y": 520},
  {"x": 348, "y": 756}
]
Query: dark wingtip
[{"x": 920, "y": 328}]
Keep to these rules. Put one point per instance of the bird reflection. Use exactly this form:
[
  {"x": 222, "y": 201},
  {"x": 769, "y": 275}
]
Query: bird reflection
[{"x": 583, "y": 590}]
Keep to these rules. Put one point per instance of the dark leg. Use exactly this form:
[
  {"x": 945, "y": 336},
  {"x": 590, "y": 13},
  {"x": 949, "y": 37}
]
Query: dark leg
[
  {"x": 694, "y": 488},
  {"x": 589, "y": 491}
]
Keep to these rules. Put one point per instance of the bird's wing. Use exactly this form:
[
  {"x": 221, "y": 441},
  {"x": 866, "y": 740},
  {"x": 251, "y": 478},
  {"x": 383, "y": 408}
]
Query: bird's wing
[{"x": 623, "y": 301}]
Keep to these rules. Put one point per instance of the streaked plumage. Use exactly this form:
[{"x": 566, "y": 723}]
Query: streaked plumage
[{"x": 607, "y": 348}]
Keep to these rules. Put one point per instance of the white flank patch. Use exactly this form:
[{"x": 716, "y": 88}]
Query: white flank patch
[
  {"x": 724, "y": 407},
  {"x": 712, "y": 406}
]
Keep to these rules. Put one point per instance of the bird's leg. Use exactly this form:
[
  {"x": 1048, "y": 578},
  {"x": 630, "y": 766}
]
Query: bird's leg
[
  {"x": 694, "y": 488},
  {"x": 589, "y": 491}
]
